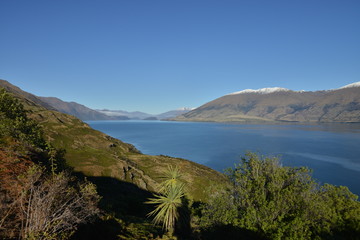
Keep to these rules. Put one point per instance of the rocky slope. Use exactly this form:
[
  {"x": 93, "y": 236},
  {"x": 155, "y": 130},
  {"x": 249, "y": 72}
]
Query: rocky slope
[{"x": 279, "y": 104}]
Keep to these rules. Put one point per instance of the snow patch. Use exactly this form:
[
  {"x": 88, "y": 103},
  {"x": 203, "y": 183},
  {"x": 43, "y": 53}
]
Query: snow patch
[
  {"x": 262, "y": 90},
  {"x": 356, "y": 84}
]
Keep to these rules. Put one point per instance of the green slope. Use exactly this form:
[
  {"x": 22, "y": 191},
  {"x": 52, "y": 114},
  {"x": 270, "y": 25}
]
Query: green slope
[{"x": 95, "y": 154}]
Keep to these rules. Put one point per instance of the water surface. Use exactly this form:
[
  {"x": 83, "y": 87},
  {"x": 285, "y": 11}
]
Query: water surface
[{"x": 331, "y": 150}]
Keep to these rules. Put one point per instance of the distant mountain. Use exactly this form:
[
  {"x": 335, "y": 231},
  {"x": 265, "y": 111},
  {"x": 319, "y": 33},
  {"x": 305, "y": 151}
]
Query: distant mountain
[
  {"x": 121, "y": 113},
  {"x": 84, "y": 113},
  {"x": 145, "y": 116},
  {"x": 173, "y": 113},
  {"x": 75, "y": 109},
  {"x": 280, "y": 104}
]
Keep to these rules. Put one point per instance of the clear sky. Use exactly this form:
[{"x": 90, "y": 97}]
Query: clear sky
[{"x": 159, "y": 55}]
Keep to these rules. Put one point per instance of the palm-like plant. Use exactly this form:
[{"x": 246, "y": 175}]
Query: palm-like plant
[
  {"x": 167, "y": 203},
  {"x": 168, "y": 200},
  {"x": 171, "y": 178}
]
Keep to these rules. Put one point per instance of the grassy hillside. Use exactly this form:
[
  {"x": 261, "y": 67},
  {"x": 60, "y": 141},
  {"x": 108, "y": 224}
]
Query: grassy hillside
[
  {"x": 124, "y": 177},
  {"x": 96, "y": 154}
]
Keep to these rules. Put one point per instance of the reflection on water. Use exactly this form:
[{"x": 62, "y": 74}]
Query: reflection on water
[
  {"x": 331, "y": 150},
  {"x": 345, "y": 163}
]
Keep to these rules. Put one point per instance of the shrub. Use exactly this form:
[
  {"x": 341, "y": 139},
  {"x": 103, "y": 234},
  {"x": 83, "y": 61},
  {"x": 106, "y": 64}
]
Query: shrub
[{"x": 280, "y": 202}]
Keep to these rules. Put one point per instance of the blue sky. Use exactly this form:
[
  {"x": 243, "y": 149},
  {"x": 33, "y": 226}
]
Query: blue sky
[{"x": 159, "y": 55}]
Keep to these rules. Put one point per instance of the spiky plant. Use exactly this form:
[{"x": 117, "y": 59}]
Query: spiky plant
[
  {"x": 171, "y": 178},
  {"x": 169, "y": 199},
  {"x": 166, "y": 211}
]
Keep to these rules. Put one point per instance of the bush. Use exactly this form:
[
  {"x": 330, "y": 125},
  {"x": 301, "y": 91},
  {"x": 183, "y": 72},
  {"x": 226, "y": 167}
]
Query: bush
[
  {"x": 43, "y": 206},
  {"x": 280, "y": 202}
]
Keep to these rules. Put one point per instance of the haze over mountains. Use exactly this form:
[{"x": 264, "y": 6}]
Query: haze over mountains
[
  {"x": 84, "y": 113},
  {"x": 280, "y": 104},
  {"x": 145, "y": 116}
]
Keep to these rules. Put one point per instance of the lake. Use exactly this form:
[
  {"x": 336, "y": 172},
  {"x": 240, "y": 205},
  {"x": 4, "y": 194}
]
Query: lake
[{"x": 331, "y": 150}]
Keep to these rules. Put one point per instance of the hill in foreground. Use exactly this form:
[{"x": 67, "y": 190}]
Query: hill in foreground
[
  {"x": 125, "y": 178},
  {"x": 97, "y": 154}
]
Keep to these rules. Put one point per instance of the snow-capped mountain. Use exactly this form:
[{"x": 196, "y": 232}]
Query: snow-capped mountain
[
  {"x": 356, "y": 84},
  {"x": 262, "y": 90},
  {"x": 281, "y": 104}
]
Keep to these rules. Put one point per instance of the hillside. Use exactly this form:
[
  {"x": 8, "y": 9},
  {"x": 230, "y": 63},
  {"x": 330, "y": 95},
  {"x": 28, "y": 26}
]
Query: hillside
[
  {"x": 80, "y": 111},
  {"x": 124, "y": 177},
  {"x": 279, "y": 104},
  {"x": 95, "y": 154}
]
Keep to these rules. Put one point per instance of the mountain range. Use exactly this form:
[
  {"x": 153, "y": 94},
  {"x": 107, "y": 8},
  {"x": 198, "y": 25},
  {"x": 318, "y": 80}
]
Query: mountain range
[
  {"x": 142, "y": 115},
  {"x": 266, "y": 104},
  {"x": 84, "y": 113},
  {"x": 281, "y": 104}
]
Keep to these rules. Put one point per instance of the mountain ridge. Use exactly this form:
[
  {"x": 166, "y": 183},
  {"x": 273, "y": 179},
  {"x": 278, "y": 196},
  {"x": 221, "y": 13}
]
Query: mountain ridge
[
  {"x": 282, "y": 105},
  {"x": 75, "y": 109},
  {"x": 86, "y": 114}
]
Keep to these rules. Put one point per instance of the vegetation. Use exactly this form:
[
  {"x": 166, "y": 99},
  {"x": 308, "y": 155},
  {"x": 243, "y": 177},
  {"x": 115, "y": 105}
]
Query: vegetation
[
  {"x": 275, "y": 202},
  {"x": 39, "y": 198},
  {"x": 169, "y": 200},
  {"x": 124, "y": 177}
]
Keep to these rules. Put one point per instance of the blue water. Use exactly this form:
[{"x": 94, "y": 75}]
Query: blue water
[{"x": 331, "y": 150}]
